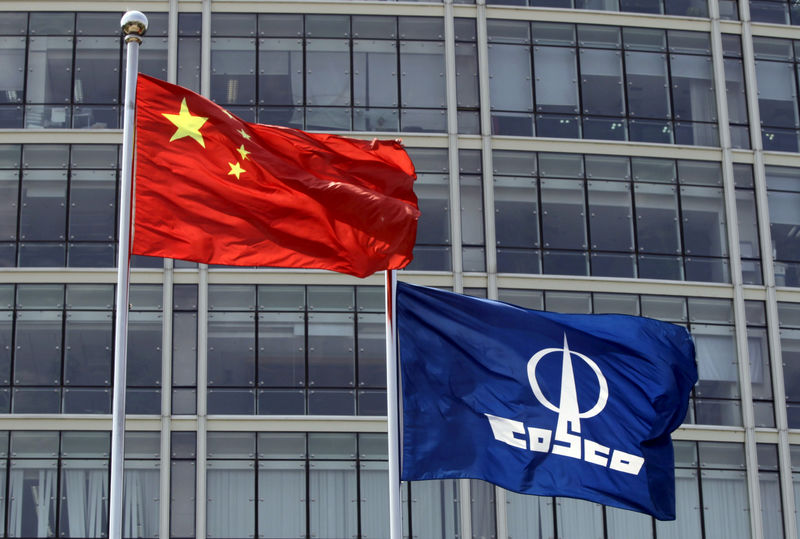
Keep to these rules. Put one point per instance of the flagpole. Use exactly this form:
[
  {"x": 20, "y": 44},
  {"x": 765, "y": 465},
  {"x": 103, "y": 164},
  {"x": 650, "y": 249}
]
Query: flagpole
[
  {"x": 134, "y": 25},
  {"x": 392, "y": 409}
]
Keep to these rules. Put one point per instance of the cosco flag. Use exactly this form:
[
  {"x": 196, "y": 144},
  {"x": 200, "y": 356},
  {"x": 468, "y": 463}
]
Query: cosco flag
[{"x": 542, "y": 403}]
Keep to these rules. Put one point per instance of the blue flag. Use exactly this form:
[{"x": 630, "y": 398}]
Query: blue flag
[{"x": 542, "y": 403}]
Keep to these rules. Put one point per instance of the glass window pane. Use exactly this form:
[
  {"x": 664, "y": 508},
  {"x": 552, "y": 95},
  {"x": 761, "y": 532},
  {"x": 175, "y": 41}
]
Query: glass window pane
[
  {"x": 610, "y": 216},
  {"x": 96, "y": 59},
  {"x": 88, "y": 345},
  {"x": 579, "y": 518},
  {"x": 623, "y": 523},
  {"x": 687, "y": 509},
  {"x": 777, "y": 103},
  {"x": 328, "y": 72},
  {"x": 704, "y": 229},
  {"x": 9, "y": 191},
  {"x": 516, "y": 212},
  {"x": 693, "y": 88},
  {"x": 184, "y": 349},
  {"x": 44, "y": 208},
  {"x": 648, "y": 84},
  {"x": 6, "y": 323},
  {"x": 12, "y": 65},
  {"x": 153, "y": 58},
  {"x": 374, "y": 26},
  {"x": 37, "y": 357},
  {"x": 144, "y": 349},
  {"x": 467, "y": 75},
  {"x": 49, "y": 71},
  {"x": 422, "y": 81},
  {"x": 716, "y": 361},
  {"x": 281, "y": 298},
  {"x": 510, "y": 77},
  {"x": 92, "y": 205},
  {"x": 281, "y": 349},
  {"x": 556, "y": 79},
  {"x": 421, "y": 27},
  {"x": 735, "y": 91},
  {"x": 433, "y": 193},
  {"x": 526, "y": 513},
  {"x": 331, "y": 343},
  {"x": 601, "y": 82},
  {"x": 231, "y": 498},
  {"x": 231, "y": 445},
  {"x": 725, "y": 503},
  {"x": 563, "y": 214},
  {"x": 231, "y": 349},
  {"x": 189, "y": 61},
  {"x": 32, "y": 485},
  {"x": 471, "y": 188},
  {"x": 657, "y": 218},
  {"x": 281, "y": 499},
  {"x": 39, "y": 296},
  {"x": 375, "y": 73},
  {"x": 790, "y": 352},
  {"x": 434, "y": 509},
  {"x": 332, "y": 489},
  {"x": 330, "y": 298},
  {"x": 374, "y": 478},
  {"x": 233, "y": 62},
  {"x": 84, "y": 492},
  {"x": 278, "y": 25},
  {"x": 784, "y": 219},
  {"x": 182, "y": 500},
  {"x": 371, "y": 350},
  {"x": 232, "y": 24},
  {"x": 14, "y": 23},
  {"x": 141, "y": 495},
  {"x": 231, "y": 297}
]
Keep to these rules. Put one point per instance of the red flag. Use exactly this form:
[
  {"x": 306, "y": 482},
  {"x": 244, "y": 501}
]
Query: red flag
[{"x": 215, "y": 189}]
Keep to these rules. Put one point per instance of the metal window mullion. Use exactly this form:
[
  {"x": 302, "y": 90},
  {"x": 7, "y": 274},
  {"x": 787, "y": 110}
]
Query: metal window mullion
[
  {"x": 202, "y": 401},
  {"x": 202, "y": 312},
  {"x": 734, "y": 256},
  {"x": 165, "y": 466},
  {"x": 490, "y": 232},
  {"x": 172, "y": 42},
  {"x": 768, "y": 272},
  {"x": 166, "y": 400},
  {"x": 452, "y": 147}
]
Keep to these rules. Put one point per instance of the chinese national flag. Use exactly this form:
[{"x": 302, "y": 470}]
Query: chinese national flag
[{"x": 215, "y": 189}]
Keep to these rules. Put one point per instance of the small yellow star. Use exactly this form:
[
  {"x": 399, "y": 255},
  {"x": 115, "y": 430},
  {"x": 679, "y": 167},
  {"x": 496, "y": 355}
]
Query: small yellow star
[
  {"x": 188, "y": 125},
  {"x": 244, "y": 134},
  {"x": 244, "y": 153},
  {"x": 236, "y": 170}
]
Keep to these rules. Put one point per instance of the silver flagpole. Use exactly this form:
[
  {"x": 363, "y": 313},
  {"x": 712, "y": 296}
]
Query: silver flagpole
[
  {"x": 134, "y": 25},
  {"x": 392, "y": 409}
]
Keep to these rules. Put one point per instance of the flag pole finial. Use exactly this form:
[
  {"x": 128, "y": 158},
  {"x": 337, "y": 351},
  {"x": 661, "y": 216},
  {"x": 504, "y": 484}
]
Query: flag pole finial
[{"x": 134, "y": 25}]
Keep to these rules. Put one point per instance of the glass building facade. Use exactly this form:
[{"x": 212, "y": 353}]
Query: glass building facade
[{"x": 586, "y": 156}]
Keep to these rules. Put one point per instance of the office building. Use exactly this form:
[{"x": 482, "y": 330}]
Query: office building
[{"x": 592, "y": 156}]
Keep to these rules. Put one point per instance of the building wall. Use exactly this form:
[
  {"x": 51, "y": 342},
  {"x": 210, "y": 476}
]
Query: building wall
[{"x": 624, "y": 156}]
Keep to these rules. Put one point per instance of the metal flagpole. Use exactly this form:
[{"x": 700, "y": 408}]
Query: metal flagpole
[
  {"x": 392, "y": 409},
  {"x": 134, "y": 25}
]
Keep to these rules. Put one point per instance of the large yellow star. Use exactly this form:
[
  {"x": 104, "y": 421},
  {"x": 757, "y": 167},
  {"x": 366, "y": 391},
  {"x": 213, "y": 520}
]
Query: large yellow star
[
  {"x": 244, "y": 153},
  {"x": 188, "y": 125},
  {"x": 235, "y": 169}
]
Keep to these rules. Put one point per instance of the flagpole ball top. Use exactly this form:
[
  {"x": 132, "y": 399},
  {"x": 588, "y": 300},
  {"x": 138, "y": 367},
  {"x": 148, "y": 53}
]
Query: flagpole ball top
[{"x": 134, "y": 24}]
